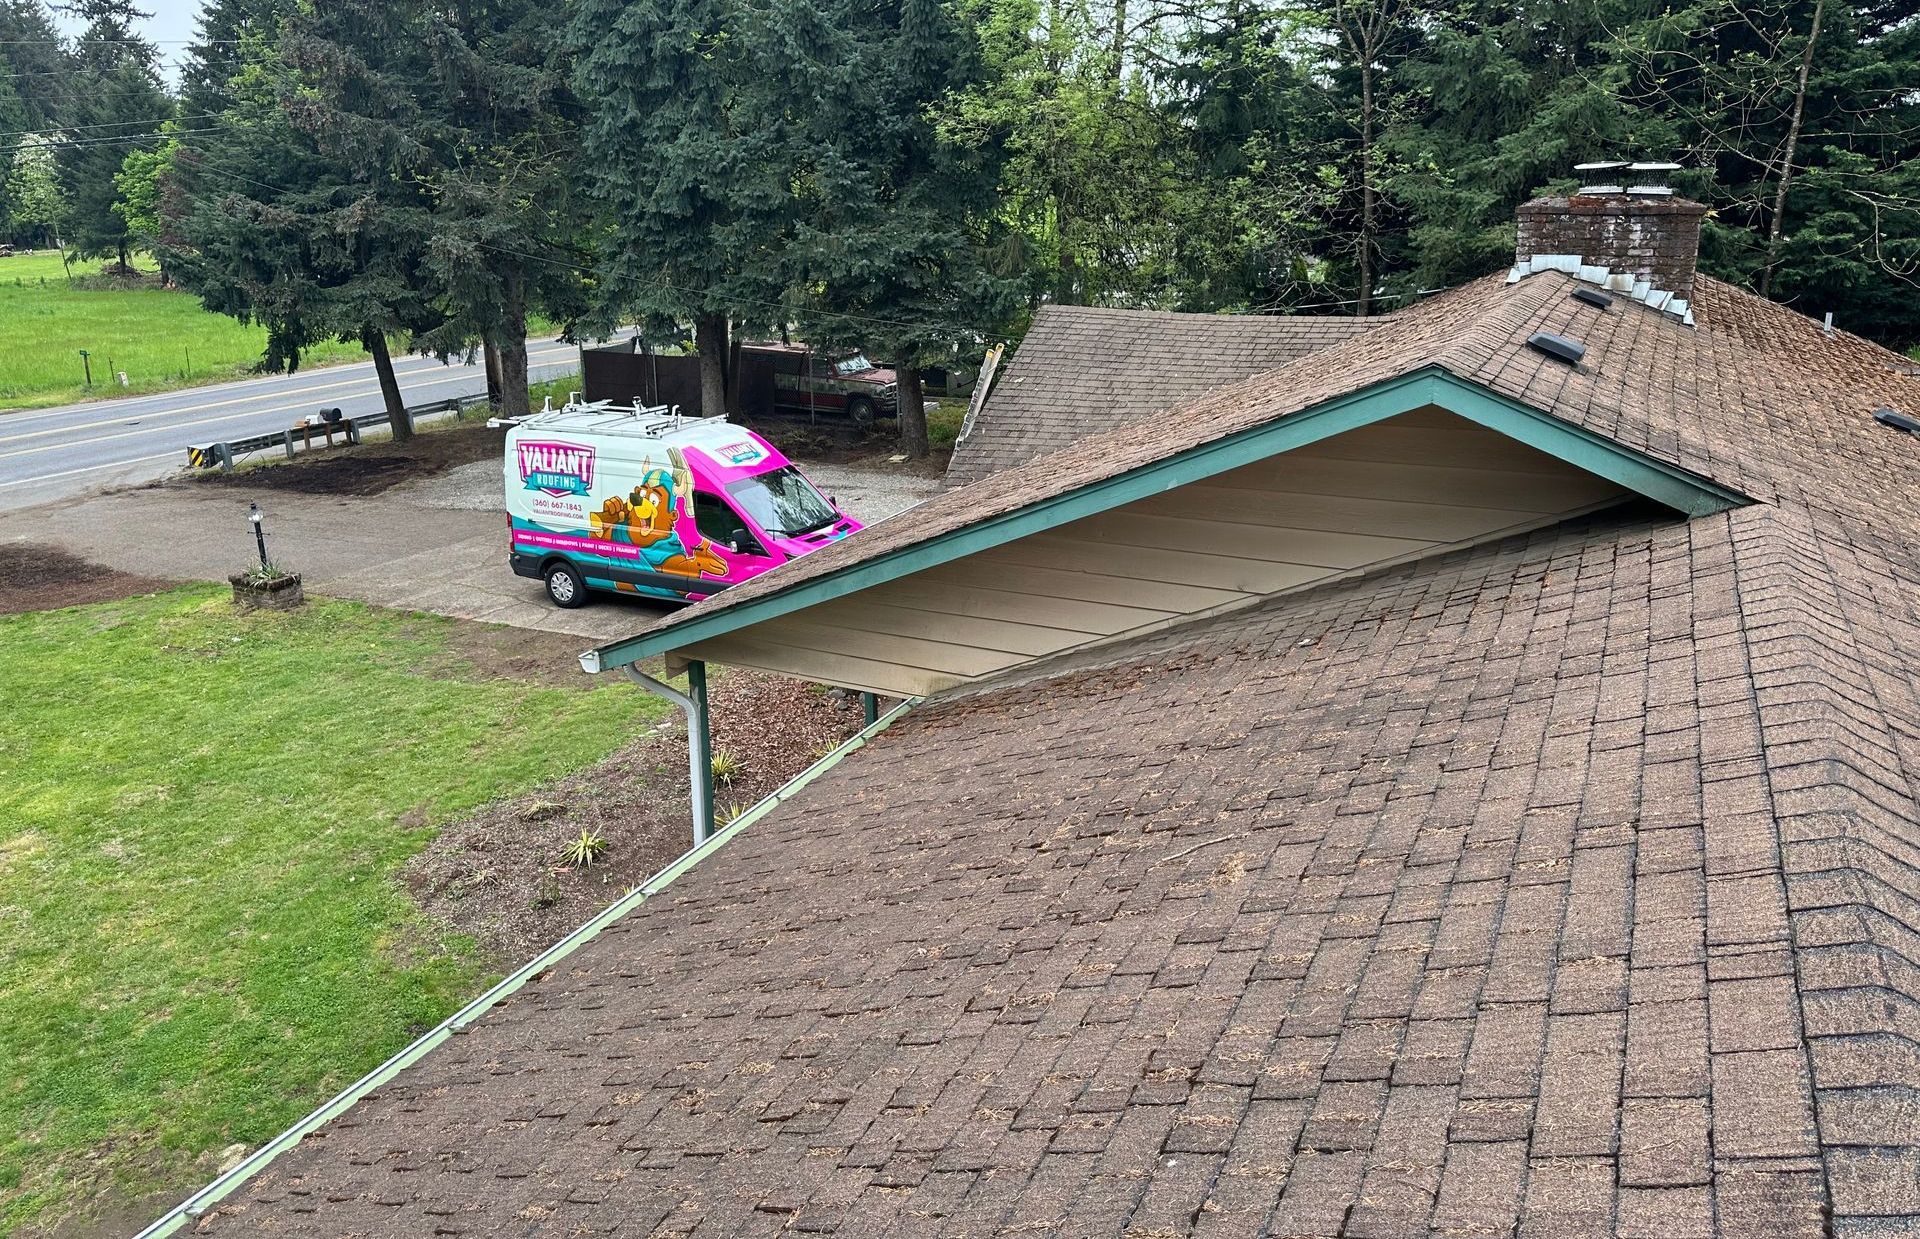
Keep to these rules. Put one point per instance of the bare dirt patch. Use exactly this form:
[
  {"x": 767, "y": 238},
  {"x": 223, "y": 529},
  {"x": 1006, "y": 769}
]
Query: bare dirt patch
[
  {"x": 497, "y": 652},
  {"x": 496, "y": 875},
  {"x": 369, "y": 469},
  {"x": 43, "y": 578}
]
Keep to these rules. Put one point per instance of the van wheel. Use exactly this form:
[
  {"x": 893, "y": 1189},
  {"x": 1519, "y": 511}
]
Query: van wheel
[
  {"x": 860, "y": 409},
  {"x": 565, "y": 587}
]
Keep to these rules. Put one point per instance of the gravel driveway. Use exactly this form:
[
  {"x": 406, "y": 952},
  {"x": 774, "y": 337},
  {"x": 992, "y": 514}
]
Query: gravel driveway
[{"x": 437, "y": 544}]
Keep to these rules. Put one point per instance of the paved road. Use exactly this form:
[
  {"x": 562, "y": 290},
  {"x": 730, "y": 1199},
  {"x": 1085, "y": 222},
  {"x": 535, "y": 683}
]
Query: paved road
[{"x": 51, "y": 453}]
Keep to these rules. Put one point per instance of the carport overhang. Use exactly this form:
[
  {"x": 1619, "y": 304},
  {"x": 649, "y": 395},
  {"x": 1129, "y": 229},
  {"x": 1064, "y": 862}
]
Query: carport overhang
[{"x": 1684, "y": 492}]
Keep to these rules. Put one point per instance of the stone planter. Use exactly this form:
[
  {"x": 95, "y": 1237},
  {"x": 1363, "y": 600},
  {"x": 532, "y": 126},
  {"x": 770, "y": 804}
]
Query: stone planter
[{"x": 281, "y": 593}]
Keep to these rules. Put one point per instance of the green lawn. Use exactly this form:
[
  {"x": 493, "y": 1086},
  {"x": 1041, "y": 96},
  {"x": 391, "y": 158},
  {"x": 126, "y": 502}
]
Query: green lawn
[
  {"x": 161, "y": 338},
  {"x": 202, "y": 934}
]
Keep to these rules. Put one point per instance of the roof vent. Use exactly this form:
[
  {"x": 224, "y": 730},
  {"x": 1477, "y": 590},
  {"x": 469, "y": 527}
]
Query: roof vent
[
  {"x": 1560, "y": 348},
  {"x": 1899, "y": 421},
  {"x": 1593, "y": 297}
]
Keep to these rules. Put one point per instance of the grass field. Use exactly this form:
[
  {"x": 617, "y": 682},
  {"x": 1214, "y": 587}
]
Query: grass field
[
  {"x": 161, "y": 338},
  {"x": 201, "y": 931}
]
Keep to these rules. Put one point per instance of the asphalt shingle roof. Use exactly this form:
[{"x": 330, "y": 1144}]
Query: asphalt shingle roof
[
  {"x": 1566, "y": 886},
  {"x": 1082, "y": 370}
]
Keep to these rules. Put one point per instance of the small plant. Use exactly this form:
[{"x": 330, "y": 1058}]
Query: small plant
[
  {"x": 582, "y": 852},
  {"x": 732, "y": 813},
  {"x": 264, "y": 572},
  {"x": 726, "y": 768}
]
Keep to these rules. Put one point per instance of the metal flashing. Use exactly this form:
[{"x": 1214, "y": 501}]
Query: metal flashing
[{"x": 1670, "y": 485}]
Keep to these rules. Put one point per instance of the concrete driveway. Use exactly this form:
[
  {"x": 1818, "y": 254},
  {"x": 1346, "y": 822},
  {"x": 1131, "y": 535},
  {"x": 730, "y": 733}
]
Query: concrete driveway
[{"x": 436, "y": 545}]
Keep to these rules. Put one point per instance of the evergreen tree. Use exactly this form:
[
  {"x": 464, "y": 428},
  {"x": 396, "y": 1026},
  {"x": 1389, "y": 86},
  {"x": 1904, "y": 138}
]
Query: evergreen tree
[
  {"x": 691, "y": 193},
  {"x": 506, "y": 210},
  {"x": 294, "y": 212},
  {"x": 36, "y": 64},
  {"x": 117, "y": 105},
  {"x": 230, "y": 33},
  {"x": 894, "y": 237},
  {"x": 1798, "y": 124},
  {"x": 1254, "y": 221},
  {"x": 1503, "y": 100}
]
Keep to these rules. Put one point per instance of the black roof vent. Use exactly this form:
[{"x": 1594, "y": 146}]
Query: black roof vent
[
  {"x": 1899, "y": 421},
  {"x": 1593, "y": 297},
  {"x": 1560, "y": 348}
]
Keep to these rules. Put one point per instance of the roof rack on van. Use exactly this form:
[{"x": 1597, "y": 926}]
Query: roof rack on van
[{"x": 606, "y": 417}]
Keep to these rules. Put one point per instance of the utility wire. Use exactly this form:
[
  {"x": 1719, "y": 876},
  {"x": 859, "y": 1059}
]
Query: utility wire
[
  {"x": 107, "y": 124},
  {"x": 141, "y": 137}
]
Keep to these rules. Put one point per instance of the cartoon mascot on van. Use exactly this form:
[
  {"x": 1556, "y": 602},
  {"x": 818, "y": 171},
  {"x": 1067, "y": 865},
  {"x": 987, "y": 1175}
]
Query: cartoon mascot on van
[{"x": 655, "y": 512}]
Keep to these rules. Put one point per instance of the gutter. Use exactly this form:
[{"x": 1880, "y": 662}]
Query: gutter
[{"x": 198, "y": 1204}]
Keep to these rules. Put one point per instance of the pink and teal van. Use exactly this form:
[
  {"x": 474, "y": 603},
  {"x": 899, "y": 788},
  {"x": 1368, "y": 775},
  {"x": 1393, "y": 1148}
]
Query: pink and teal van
[{"x": 643, "y": 501}]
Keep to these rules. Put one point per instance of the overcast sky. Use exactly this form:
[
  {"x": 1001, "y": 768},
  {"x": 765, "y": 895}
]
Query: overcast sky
[{"x": 172, "y": 26}]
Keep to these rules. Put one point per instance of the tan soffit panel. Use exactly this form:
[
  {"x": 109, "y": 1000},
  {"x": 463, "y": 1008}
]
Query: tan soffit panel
[{"x": 1414, "y": 485}]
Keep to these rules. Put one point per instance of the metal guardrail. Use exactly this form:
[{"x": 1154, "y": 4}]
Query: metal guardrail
[{"x": 226, "y": 452}]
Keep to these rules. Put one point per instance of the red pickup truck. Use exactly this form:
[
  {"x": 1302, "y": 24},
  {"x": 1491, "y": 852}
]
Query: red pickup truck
[{"x": 809, "y": 380}]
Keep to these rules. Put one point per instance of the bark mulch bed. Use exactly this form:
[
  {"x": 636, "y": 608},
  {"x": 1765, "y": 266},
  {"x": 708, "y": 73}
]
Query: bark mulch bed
[
  {"x": 496, "y": 874},
  {"x": 42, "y": 578},
  {"x": 369, "y": 469}
]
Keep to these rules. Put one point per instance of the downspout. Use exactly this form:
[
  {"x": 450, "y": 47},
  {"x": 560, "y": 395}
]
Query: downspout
[{"x": 693, "y": 703}]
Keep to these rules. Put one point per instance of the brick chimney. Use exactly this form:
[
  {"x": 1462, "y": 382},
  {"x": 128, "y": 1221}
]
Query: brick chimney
[{"x": 1639, "y": 239}]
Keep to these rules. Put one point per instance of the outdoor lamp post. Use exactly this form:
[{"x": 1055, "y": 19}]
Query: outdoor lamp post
[{"x": 259, "y": 532}]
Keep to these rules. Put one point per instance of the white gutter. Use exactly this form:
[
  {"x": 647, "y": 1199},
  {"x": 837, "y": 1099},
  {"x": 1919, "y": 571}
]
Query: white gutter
[{"x": 213, "y": 1193}]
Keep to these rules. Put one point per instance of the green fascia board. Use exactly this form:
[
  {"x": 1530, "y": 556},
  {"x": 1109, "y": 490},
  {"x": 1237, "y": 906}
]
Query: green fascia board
[{"x": 1677, "y": 488}]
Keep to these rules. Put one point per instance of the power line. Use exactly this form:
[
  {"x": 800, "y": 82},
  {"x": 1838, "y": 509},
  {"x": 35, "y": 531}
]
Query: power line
[
  {"x": 129, "y": 42},
  {"x": 105, "y": 124},
  {"x": 141, "y": 137}
]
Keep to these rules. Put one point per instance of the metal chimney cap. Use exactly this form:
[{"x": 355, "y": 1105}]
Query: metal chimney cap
[
  {"x": 1650, "y": 178},
  {"x": 1600, "y": 176}
]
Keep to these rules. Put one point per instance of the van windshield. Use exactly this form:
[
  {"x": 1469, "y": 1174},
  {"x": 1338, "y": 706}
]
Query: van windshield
[{"x": 783, "y": 502}]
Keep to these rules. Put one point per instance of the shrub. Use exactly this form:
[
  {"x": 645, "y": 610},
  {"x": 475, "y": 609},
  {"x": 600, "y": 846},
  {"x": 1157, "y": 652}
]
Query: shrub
[{"x": 582, "y": 852}]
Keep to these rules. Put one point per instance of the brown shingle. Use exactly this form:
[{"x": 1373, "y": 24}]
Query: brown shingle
[
  {"x": 1564, "y": 886},
  {"x": 1083, "y": 370}
]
